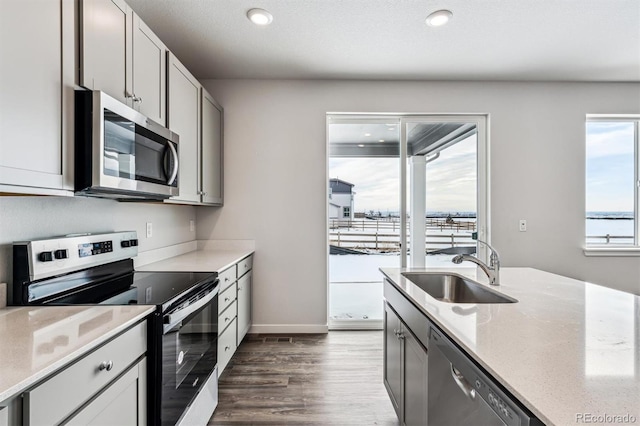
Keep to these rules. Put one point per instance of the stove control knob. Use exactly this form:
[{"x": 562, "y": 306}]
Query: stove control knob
[
  {"x": 134, "y": 243},
  {"x": 61, "y": 254},
  {"x": 125, "y": 243},
  {"x": 45, "y": 256}
]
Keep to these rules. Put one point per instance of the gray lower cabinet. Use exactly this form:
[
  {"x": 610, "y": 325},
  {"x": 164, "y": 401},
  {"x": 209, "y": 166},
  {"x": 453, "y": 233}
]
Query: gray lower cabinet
[
  {"x": 37, "y": 78},
  {"x": 244, "y": 305},
  {"x": 234, "y": 309},
  {"x": 105, "y": 387},
  {"x": 405, "y": 370}
]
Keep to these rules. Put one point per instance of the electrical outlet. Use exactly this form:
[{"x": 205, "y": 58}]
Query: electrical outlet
[
  {"x": 149, "y": 230},
  {"x": 523, "y": 225},
  {"x": 192, "y": 225}
]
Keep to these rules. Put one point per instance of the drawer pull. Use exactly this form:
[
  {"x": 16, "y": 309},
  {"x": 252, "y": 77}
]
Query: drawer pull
[
  {"x": 226, "y": 348},
  {"x": 239, "y": 288},
  {"x": 106, "y": 365},
  {"x": 226, "y": 319},
  {"x": 226, "y": 299},
  {"x": 226, "y": 278}
]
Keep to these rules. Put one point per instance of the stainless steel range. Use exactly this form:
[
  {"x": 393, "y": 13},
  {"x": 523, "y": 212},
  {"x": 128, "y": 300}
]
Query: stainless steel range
[{"x": 183, "y": 331}]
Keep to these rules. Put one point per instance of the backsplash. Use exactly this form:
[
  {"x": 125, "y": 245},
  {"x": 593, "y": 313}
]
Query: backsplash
[{"x": 27, "y": 218}]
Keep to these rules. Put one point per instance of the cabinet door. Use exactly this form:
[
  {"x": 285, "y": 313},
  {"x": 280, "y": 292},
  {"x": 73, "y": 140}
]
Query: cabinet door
[
  {"x": 36, "y": 101},
  {"x": 184, "y": 119},
  {"x": 211, "y": 150},
  {"x": 415, "y": 381},
  {"x": 149, "y": 72},
  {"x": 244, "y": 305},
  {"x": 119, "y": 404},
  {"x": 393, "y": 355},
  {"x": 105, "y": 45}
]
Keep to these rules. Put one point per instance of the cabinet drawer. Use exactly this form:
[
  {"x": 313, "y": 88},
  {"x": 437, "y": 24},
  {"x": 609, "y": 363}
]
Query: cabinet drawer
[
  {"x": 56, "y": 398},
  {"x": 245, "y": 265},
  {"x": 226, "y": 297},
  {"x": 225, "y": 318},
  {"x": 226, "y": 346},
  {"x": 227, "y": 277}
]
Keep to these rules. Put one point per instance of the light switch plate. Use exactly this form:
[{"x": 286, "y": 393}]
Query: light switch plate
[{"x": 149, "y": 230}]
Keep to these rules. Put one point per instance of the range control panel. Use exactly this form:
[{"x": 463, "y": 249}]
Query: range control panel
[{"x": 73, "y": 252}]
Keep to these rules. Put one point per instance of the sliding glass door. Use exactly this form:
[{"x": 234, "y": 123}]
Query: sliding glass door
[{"x": 402, "y": 191}]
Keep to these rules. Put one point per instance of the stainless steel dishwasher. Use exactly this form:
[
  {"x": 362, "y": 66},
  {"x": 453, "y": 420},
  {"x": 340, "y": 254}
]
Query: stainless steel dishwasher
[{"x": 460, "y": 393}]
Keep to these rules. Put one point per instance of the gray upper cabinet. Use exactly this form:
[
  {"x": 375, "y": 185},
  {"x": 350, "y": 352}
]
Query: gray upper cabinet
[
  {"x": 184, "y": 119},
  {"x": 105, "y": 47},
  {"x": 211, "y": 162},
  {"x": 149, "y": 72},
  {"x": 121, "y": 56},
  {"x": 36, "y": 105}
]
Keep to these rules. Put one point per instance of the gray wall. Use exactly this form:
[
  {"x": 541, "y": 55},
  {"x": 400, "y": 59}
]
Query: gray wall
[
  {"x": 27, "y": 218},
  {"x": 275, "y": 134}
]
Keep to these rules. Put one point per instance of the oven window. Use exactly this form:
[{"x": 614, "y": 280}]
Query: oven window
[
  {"x": 189, "y": 355},
  {"x": 133, "y": 152}
]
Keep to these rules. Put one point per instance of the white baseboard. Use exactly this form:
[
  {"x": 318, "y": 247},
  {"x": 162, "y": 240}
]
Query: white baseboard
[
  {"x": 289, "y": 329},
  {"x": 356, "y": 325}
]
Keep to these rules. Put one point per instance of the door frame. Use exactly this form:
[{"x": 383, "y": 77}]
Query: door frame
[{"x": 481, "y": 120}]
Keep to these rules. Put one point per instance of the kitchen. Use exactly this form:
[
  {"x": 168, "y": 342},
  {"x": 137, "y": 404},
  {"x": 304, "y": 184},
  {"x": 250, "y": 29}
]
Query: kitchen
[{"x": 274, "y": 129}]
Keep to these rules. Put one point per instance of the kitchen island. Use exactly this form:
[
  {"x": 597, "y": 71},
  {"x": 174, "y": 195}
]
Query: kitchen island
[{"x": 568, "y": 350}]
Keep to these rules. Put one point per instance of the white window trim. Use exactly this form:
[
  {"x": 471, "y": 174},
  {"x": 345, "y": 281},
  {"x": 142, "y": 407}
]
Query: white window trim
[
  {"x": 593, "y": 250},
  {"x": 608, "y": 251}
]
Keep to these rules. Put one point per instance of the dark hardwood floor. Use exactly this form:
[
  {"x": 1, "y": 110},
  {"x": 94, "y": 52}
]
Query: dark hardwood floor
[{"x": 327, "y": 379}]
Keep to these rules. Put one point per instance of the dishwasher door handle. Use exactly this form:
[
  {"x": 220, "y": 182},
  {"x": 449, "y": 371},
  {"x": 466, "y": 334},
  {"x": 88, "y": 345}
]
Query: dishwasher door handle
[{"x": 462, "y": 383}]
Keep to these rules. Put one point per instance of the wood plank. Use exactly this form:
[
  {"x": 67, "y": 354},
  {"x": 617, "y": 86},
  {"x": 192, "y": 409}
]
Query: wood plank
[{"x": 308, "y": 380}]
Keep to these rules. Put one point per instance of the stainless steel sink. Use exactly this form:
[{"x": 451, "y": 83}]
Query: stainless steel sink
[{"x": 454, "y": 288}]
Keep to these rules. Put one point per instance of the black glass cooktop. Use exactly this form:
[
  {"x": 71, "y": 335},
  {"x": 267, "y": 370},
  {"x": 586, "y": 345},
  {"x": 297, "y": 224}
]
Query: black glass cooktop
[{"x": 117, "y": 285}]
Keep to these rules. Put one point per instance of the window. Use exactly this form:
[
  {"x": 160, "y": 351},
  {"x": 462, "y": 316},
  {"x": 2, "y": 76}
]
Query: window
[
  {"x": 612, "y": 176},
  {"x": 346, "y": 212}
]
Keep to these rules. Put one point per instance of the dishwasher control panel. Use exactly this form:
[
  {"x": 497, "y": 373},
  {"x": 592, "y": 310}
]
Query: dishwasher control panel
[{"x": 497, "y": 404}]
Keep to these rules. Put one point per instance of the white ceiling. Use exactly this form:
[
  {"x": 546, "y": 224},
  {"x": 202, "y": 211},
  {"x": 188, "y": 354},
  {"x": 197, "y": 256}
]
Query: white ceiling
[{"x": 558, "y": 40}]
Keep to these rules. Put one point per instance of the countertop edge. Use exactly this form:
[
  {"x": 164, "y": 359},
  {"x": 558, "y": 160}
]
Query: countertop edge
[
  {"x": 69, "y": 358},
  {"x": 193, "y": 261}
]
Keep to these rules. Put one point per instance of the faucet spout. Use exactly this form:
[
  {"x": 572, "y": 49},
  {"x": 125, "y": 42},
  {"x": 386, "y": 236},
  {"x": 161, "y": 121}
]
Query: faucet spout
[{"x": 492, "y": 270}]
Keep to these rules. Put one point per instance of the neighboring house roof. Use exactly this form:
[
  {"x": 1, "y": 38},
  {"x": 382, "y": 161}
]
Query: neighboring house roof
[{"x": 339, "y": 186}]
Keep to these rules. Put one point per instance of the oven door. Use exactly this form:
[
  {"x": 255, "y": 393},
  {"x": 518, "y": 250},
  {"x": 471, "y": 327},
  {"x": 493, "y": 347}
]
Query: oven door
[{"x": 189, "y": 355}]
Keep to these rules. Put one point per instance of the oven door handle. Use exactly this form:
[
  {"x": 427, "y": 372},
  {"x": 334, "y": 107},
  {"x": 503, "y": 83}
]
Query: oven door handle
[{"x": 172, "y": 319}]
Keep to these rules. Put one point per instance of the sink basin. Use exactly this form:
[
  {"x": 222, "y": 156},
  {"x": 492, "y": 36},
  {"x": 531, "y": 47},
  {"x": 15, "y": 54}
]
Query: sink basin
[{"x": 454, "y": 288}]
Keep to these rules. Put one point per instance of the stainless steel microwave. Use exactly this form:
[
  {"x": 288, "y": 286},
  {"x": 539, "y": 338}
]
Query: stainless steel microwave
[{"x": 120, "y": 153}]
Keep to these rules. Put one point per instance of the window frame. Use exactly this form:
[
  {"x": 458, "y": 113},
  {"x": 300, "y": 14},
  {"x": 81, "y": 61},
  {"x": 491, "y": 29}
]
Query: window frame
[
  {"x": 618, "y": 249},
  {"x": 346, "y": 209}
]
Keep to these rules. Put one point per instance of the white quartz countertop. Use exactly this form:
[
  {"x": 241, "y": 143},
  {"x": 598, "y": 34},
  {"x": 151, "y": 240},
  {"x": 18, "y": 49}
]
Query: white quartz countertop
[
  {"x": 37, "y": 341},
  {"x": 204, "y": 260},
  {"x": 568, "y": 350}
]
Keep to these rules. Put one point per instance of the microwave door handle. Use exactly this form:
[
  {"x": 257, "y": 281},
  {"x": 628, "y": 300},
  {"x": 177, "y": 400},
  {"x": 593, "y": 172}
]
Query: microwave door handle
[{"x": 174, "y": 172}]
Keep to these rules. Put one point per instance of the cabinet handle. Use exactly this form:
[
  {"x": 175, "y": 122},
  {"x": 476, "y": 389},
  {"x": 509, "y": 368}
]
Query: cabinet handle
[
  {"x": 226, "y": 299},
  {"x": 400, "y": 336},
  {"x": 137, "y": 99},
  {"x": 226, "y": 319},
  {"x": 226, "y": 348},
  {"x": 239, "y": 288},
  {"x": 226, "y": 279},
  {"x": 106, "y": 365}
]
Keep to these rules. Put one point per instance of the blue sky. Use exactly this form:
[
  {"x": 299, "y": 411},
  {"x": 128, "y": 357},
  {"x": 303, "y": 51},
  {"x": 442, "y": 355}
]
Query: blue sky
[{"x": 610, "y": 166}]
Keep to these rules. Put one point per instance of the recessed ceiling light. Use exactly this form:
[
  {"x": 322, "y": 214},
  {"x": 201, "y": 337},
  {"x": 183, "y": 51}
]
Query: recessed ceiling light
[
  {"x": 367, "y": 134},
  {"x": 260, "y": 16},
  {"x": 439, "y": 18},
  {"x": 361, "y": 145},
  {"x": 380, "y": 140}
]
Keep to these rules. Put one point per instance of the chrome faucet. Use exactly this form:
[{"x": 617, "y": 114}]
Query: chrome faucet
[{"x": 492, "y": 270}]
